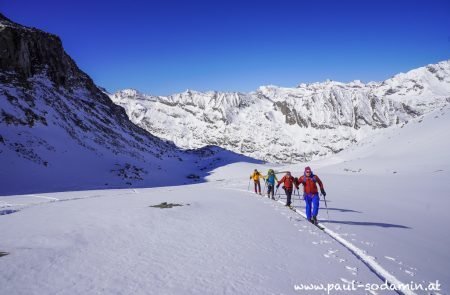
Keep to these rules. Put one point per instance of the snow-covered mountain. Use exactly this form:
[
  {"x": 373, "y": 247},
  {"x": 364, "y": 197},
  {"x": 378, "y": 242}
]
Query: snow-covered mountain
[
  {"x": 289, "y": 124},
  {"x": 58, "y": 130}
]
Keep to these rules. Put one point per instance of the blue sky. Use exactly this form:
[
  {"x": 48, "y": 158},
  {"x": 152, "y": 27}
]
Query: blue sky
[{"x": 164, "y": 47}]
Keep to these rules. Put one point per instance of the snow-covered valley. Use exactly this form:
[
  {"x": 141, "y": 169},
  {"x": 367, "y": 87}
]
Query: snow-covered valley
[
  {"x": 80, "y": 176},
  {"x": 388, "y": 197}
]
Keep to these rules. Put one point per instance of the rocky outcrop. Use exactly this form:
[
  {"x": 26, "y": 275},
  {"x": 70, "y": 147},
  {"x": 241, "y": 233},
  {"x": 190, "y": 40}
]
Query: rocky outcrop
[
  {"x": 55, "y": 120},
  {"x": 289, "y": 124},
  {"x": 28, "y": 51}
]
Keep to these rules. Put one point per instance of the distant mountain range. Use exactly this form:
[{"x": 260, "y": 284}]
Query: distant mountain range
[{"x": 289, "y": 124}]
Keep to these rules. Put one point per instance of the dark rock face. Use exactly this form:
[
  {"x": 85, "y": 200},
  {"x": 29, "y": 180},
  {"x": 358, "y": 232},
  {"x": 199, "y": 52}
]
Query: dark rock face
[
  {"x": 30, "y": 51},
  {"x": 63, "y": 132},
  {"x": 287, "y": 112},
  {"x": 26, "y": 52},
  {"x": 42, "y": 87}
]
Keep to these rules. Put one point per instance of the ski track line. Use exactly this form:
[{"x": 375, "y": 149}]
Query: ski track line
[
  {"x": 55, "y": 200},
  {"x": 43, "y": 197},
  {"x": 368, "y": 260}
]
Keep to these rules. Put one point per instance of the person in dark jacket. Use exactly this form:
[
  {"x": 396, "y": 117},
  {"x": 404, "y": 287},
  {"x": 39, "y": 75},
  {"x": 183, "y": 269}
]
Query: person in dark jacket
[
  {"x": 288, "y": 185},
  {"x": 310, "y": 193}
]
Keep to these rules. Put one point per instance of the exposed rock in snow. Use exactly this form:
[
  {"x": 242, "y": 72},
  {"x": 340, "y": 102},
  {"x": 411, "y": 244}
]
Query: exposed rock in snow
[{"x": 289, "y": 124}]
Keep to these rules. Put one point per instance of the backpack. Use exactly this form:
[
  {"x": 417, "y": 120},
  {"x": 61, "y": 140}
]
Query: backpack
[
  {"x": 313, "y": 177},
  {"x": 271, "y": 179}
]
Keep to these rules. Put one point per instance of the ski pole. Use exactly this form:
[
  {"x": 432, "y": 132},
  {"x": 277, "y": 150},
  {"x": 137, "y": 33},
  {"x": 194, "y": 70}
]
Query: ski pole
[
  {"x": 292, "y": 197},
  {"x": 326, "y": 206},
  {"x": 265, "y": 182},
  {"x": 248, "y": 188}
]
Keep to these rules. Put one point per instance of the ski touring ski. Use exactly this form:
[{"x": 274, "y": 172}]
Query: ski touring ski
[{"x": 316, "y": 224}]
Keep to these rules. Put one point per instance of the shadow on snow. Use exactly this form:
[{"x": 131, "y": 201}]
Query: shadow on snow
[
  {"x": 365, "y": 223},
  {"x": 193, "y": 167}
]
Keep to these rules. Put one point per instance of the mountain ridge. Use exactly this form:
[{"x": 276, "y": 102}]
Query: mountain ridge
[
  {"x": 319, "y": 118},
  {"x": 59, "y": 131}
]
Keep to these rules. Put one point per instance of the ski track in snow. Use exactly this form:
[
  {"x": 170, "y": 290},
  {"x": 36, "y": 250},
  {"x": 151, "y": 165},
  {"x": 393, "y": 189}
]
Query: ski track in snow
[
  {"x": 17, "y": 207},
  {"x": 361, "y": 254},
  {"x": 43, "y": 197}
]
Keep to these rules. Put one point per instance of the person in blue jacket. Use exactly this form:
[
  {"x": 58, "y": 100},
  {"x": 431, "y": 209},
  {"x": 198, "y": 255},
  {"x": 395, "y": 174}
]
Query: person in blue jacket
[{"x": 270, "y": 179}]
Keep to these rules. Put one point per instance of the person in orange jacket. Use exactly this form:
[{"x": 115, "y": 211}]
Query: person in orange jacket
[
  {"x": 288, "y": 185},
  {"x": 310, "y": 193},
  {"x": 255, "y": 176}
]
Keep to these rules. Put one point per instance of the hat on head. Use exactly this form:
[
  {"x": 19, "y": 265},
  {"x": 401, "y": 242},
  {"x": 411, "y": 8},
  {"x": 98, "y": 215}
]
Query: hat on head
[{"x": 307, "y": 168}]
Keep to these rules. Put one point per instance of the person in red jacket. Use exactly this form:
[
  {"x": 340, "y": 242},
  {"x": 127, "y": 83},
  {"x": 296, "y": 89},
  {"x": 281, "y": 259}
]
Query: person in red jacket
[
  {"x": 288, "y": 185},
  {"x": 310, "y": 193}
]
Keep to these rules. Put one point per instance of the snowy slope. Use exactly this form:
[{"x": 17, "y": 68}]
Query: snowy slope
[
  {"x": 59, "y": 131},
  {"x": 226, "y": 240},
  {"x": 397, "y": 187},
  {"x": 111, "y": 242},
  {"x": 290, "y": 124},
  {"x": 388, "y": 195}
]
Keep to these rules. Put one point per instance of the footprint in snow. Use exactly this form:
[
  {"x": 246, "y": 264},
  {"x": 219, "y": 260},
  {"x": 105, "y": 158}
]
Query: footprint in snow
[
  {"x": 321, "y": 242},
  {"x": 331, "y": 254},
  {"x": 332, "y": 251},
  {"x": 390, "y": 258},
  {"x": 367, "y": 243},
  {"x": 312, "y": 232},
  {"x": 409, "y": 272},
  {"x": 407, "y": 269},
  {"x": 353, "y": 270},
  {"x": 344, "y": 280}
]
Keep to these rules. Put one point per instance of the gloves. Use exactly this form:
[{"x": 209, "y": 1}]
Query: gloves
[
  {"x": 278, "y": 185},
  {"x": 323, "y": 192}
]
